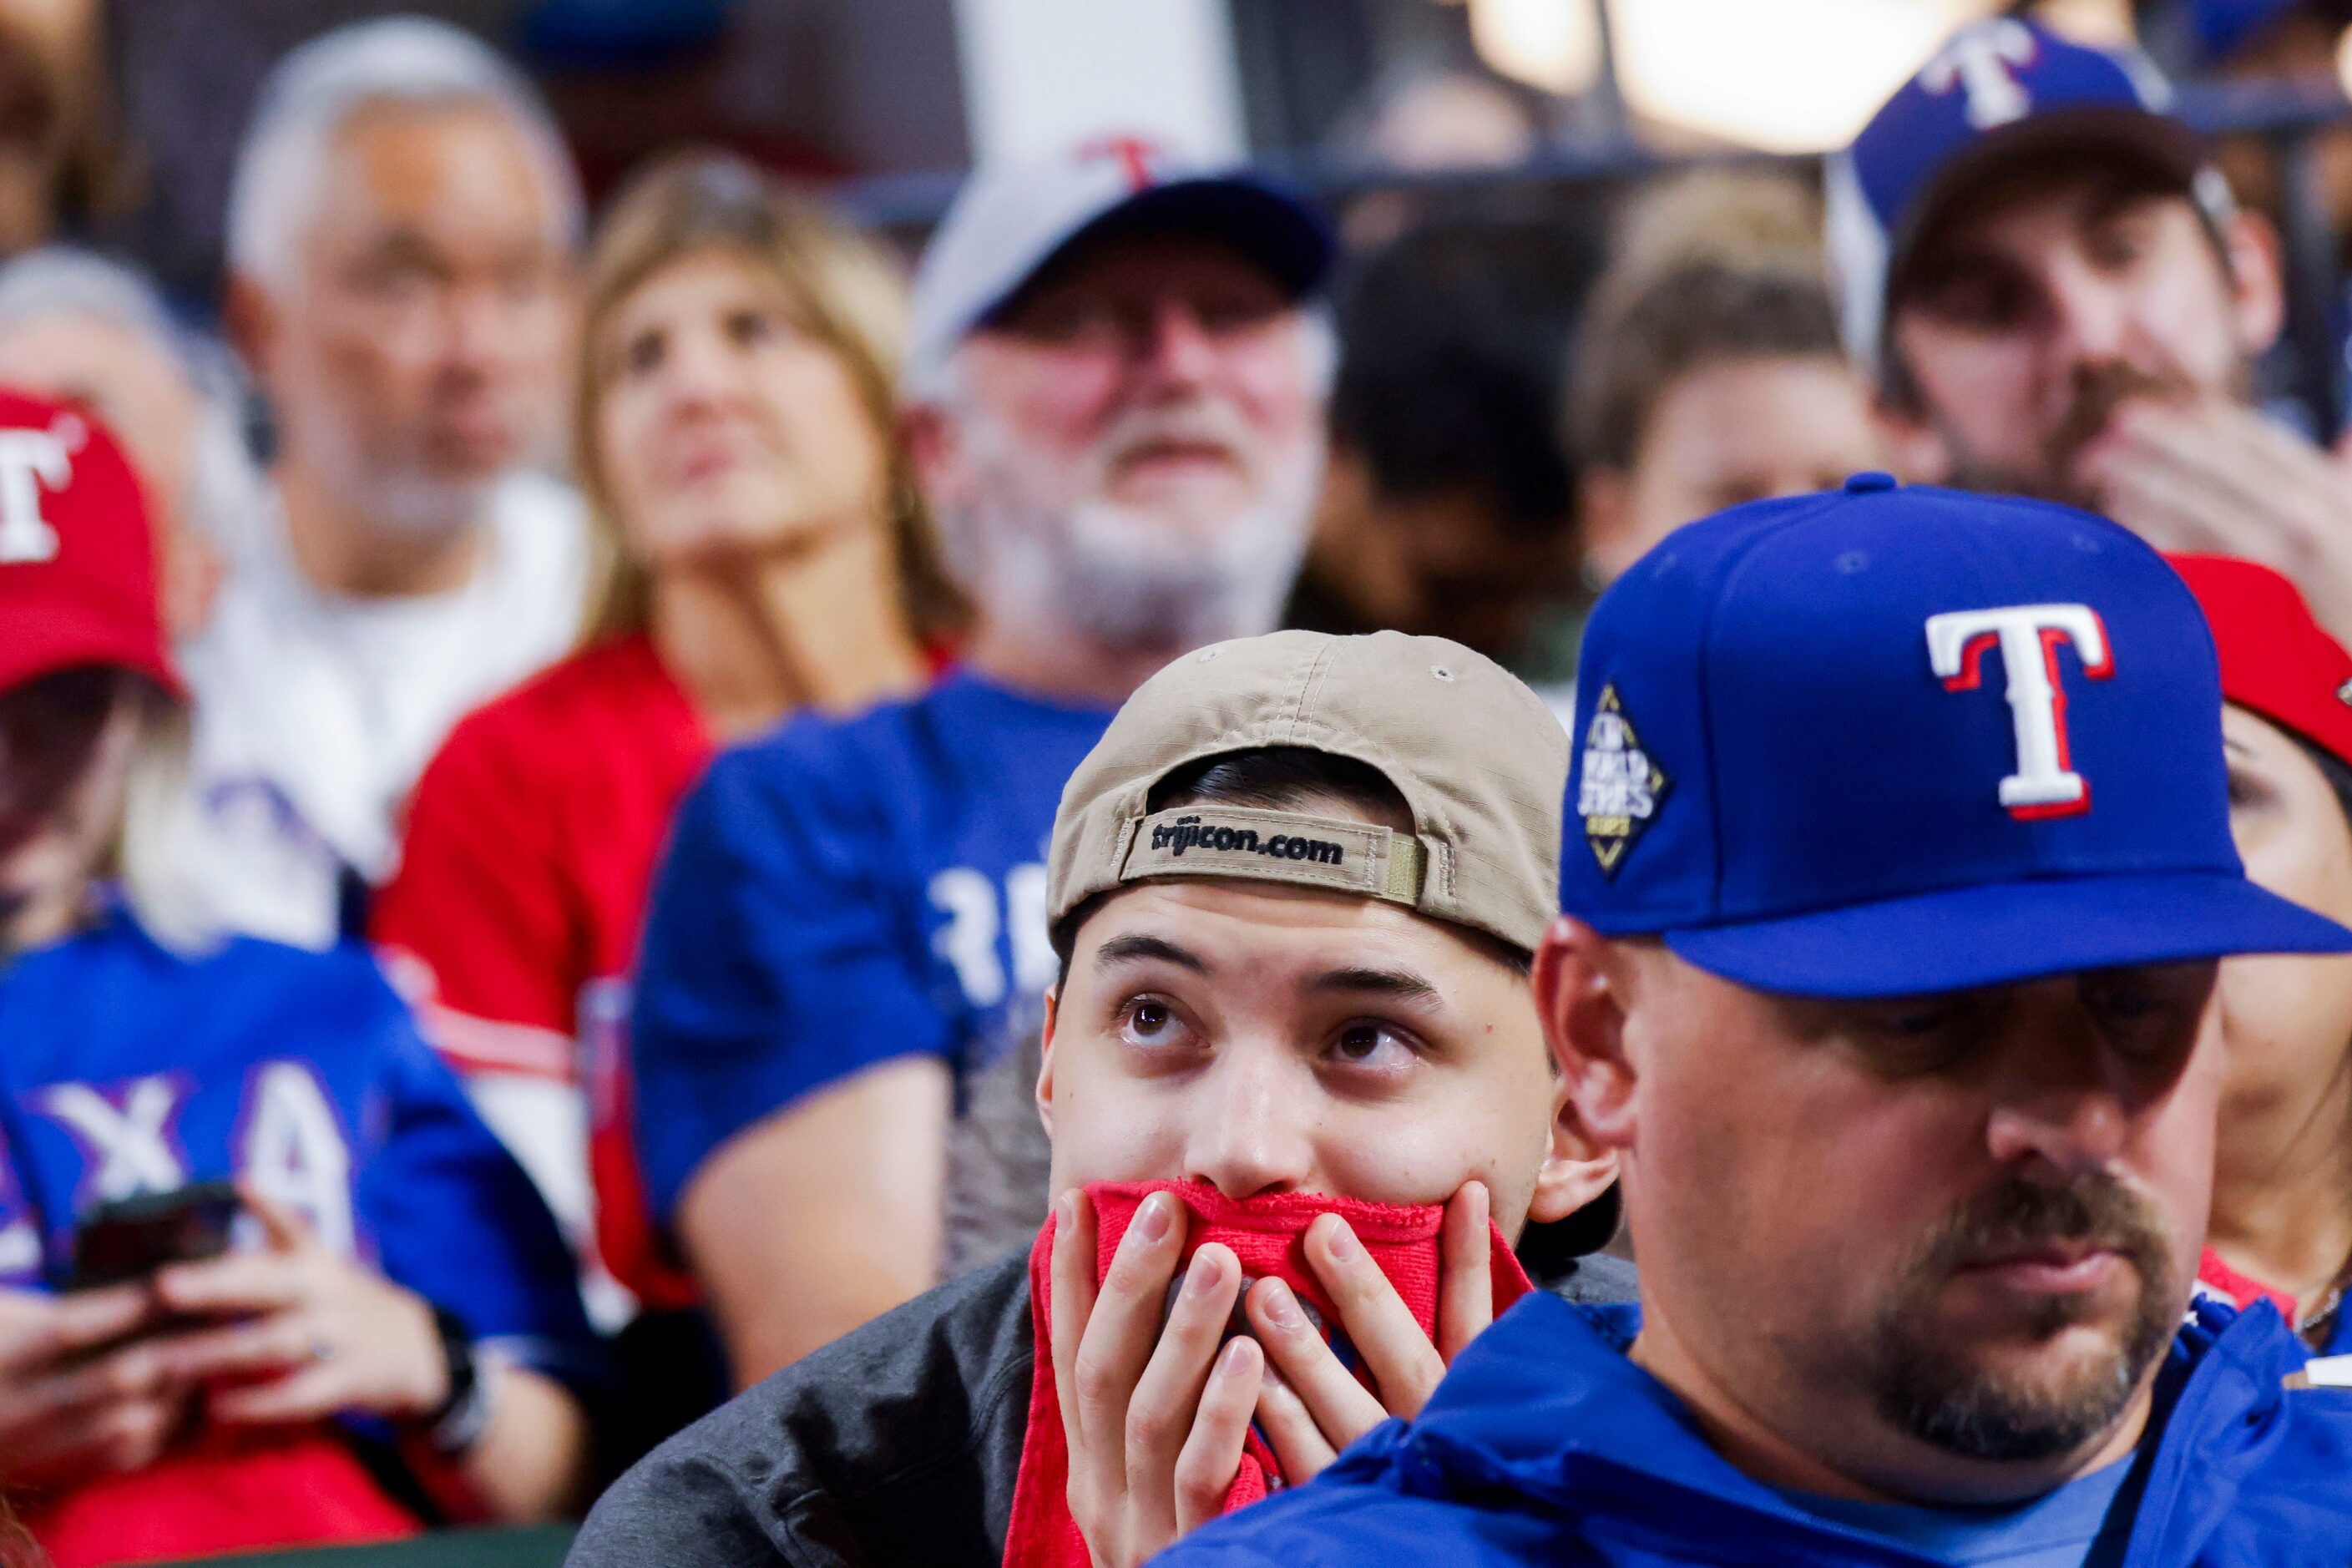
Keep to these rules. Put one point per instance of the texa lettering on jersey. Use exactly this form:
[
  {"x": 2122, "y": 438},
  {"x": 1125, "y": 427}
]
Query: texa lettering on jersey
[
  {"x": 132, "y": 1069},
  {"x": 267, "y": 1123}
]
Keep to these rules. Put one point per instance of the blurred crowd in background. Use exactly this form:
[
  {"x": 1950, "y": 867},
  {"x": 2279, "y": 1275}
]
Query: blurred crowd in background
[{"x": 537, "y": 407}]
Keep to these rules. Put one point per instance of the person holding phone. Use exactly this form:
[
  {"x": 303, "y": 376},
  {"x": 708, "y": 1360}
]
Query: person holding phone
[
  {"x": 1297, "y": 1100},
  {"x": 395, "y": 1337}
]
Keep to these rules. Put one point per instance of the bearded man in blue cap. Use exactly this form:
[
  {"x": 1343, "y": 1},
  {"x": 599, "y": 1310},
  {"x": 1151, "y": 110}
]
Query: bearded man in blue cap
[
  {"x": 1897, "y": 871},
  {"x": 2054, "y": 286}
]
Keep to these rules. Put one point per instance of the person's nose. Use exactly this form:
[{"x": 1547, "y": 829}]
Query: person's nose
[
  {"x": 477, "y": 328},
  {"x": 1178, "y": 349},
  {"x": 2093, "y": 313},
  {"x": 699, "y": 373},
  {"x": 1249, "y": 1134},
  {"x": 2060, "y": 1103}
]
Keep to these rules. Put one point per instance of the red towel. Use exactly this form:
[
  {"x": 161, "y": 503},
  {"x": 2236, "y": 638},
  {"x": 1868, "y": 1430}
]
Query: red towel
[{"x": 1268, "y": 1235}]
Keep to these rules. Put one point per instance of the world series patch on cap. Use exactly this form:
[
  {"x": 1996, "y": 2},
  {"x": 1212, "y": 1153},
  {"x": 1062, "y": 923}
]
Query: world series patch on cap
[{"x": 1889, "y": 741}]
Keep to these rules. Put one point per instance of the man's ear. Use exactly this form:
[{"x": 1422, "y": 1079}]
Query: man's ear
[
  {"x": 1575, "y": 1169},
  {"x": 1046, "y": 1059},
  {"x": 2257, "y": 287},
  {"x": 250, "y": 317},
  {"x": 1915, "y": 450},
  {"x": 1581, "y": 983},
  {"x": 1604, "y": 505},
  {"x": 928, "y": 434}
]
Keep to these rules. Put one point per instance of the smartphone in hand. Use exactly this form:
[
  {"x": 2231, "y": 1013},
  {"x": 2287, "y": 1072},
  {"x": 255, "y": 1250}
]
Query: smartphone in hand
[{"x": 130, "y": 1238}]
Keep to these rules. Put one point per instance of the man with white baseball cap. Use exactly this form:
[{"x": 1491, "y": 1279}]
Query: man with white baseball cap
[
  {"x": 1117, "y": 385},
  {"x": 2053, "y": 284}
]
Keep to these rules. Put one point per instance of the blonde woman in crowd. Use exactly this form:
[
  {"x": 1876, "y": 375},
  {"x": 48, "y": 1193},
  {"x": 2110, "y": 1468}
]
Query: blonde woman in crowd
[
  {"x": 376, "y": 1329},
  {"x": 765, "y": 554}
]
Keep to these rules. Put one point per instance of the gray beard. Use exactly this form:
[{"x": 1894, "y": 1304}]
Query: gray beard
[
  {"x": 414, "y": 507},
  {"x": 1120, "y": 578},
  {"x": 398, "y": 499},
  {"x": 1083, "y": 580}
]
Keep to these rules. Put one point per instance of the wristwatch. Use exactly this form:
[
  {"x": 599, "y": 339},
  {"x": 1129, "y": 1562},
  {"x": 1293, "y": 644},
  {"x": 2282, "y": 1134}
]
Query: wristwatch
[{"x": 456, "y": 1424}]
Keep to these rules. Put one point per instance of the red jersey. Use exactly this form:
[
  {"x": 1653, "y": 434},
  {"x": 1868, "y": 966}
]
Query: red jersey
[
  {"x": 532, "y": 839},
  {"x": 304, "y": 1489},
  {"x": 2218, "y": 1278}
]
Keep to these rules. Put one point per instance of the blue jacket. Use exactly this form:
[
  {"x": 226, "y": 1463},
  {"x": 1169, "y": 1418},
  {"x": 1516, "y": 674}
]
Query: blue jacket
[{"x": 1545, "y": 1444}]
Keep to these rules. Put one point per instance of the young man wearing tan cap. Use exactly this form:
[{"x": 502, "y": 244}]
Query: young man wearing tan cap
[{"x": 1298, "y": 1099}]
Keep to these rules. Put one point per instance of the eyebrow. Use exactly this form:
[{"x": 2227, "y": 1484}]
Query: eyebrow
[
  {"x": 1139, "y": 949},
  {"x": 1398, "y": 983}
]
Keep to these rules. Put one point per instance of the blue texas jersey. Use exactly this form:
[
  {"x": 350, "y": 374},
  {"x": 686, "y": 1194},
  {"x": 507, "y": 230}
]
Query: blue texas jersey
[
  {"x": 843, "y": 892},
  {"x": 128, "y": 1069}
]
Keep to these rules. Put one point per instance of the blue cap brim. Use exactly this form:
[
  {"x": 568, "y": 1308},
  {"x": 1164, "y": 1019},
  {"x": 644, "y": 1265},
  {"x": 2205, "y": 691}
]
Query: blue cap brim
[
  {"x": 2005, "y": 932},
  {"x": 1257, "y": 218}
]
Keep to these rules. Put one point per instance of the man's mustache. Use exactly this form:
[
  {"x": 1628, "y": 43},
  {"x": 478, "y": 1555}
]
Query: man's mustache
[
  {"x": 2095, "y": 1211},
  {"x": 1207, "y": 424},
  {"x": 2100, "y": 389}
]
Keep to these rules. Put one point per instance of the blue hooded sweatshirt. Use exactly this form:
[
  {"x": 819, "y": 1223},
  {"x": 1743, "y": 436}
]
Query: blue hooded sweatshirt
[{"x": 1545, "y": 1444}]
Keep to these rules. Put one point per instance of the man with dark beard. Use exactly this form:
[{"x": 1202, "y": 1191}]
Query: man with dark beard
[
  {"x": 1116, "y": 373},
  {"x": 1895, "y": 999},
  {"x": 2056, "y": 288}
]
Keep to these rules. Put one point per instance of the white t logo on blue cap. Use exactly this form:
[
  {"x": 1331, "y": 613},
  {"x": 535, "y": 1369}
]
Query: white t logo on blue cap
[
  {"x": 2045, "y": 783},
  {"x": 1983, "y": 62}
]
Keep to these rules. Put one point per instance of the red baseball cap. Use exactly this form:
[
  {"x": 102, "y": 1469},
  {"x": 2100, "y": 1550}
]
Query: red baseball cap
[
  {"x": 77, "y": 551},
  {"x": 2275, "y": 660}
]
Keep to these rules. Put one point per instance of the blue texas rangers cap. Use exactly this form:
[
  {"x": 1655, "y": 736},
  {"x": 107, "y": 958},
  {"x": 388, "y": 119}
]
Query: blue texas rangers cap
[
  {"x": 1997, "y": 90},
  {"x": 1890, "y": 740}
]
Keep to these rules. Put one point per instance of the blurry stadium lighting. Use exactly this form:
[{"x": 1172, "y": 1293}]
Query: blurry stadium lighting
[
  {"x": 1790, "y": 76},
  {"x": 2106, "y": 23},
  {"x": 2344, "y": 60},
  {"x": 1553, "y": 44}
]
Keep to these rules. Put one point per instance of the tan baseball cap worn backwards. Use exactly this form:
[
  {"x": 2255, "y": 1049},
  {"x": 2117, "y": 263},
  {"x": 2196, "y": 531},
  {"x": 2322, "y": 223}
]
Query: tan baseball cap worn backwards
[{"x": 1480, "y": 760}]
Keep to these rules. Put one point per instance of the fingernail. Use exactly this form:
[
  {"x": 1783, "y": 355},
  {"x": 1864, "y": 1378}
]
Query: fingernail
[
  {"x": 1153, "y": 1219},
  {"x": 1229, "y": 1360},
  {"x": 1345, "y": 1247},
  {"x": 1282, "y": 1307},
  {"x": 1202, "y": 1276},
  {"x": 1066, "y": 1210}
]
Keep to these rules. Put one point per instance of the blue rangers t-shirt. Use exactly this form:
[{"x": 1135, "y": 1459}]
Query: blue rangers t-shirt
[
  {"x": 844, "y": 892},
  {"x": 129, "y": 1069}
]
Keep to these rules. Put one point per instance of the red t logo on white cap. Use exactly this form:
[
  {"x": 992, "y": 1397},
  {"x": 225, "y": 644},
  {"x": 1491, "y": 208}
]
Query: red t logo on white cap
[
  {"x": 28, "y": 460},
  {"x": 2045, "y": 783},
  {"x": 1133, "y": 154}
]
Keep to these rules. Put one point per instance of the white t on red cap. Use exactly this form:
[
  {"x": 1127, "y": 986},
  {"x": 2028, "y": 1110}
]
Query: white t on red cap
[
  {"x": 77, "y": 571},
  {"x": 1011, "y": 219}
]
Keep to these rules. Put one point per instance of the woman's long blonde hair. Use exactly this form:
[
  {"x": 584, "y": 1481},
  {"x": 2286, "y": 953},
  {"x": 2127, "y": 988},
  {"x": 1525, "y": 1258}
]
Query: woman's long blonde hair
[{"x": 852, "y": 296}]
